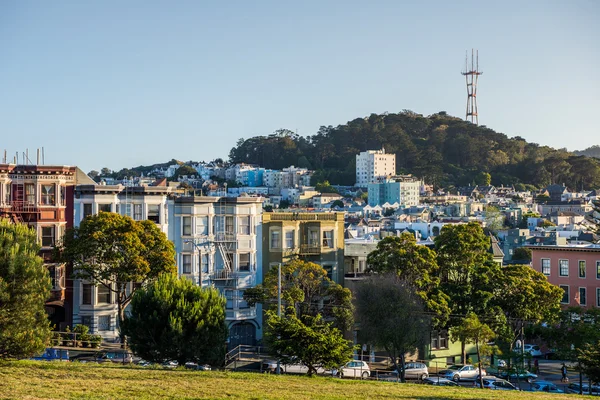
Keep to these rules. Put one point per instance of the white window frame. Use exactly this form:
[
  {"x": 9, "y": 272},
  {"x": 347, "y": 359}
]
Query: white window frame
[
  {"x": 560, "y": 261},
  {"x": 271, "y": 242},
  {"x": 184, "y": 258},
  {"x": 568, "y": 291},
  {"x": 545, "y": 271},
  {"x": 202, "y": 225},
  {"x": 579, "y": 269},
  {"x": 289, "y": 245},
  {"x": 184, "y": 225}
]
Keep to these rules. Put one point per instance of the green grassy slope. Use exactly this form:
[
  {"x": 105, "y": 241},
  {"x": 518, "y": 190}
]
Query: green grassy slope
[{"x": 39, "y": 380}]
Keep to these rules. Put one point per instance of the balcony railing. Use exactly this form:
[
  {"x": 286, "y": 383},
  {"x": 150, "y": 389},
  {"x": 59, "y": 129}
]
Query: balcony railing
[
  {"x": 237, "y": 279},
  {"x": 309, "y": 249},
  {"x": 225, "y": 237},
  {"x": 285, "y": 216}
]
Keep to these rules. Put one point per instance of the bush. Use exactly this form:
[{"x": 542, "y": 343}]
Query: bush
[{"x": 95, "y": 341}]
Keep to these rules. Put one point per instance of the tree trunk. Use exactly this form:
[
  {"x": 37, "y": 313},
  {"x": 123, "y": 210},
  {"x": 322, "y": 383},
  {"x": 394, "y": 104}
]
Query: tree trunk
[
  {"x": 479, "y": 361},
  {"x": 463, "y": 352},
  {"x": 121, "y": 315},
  {"x": 402, "y": 375}
]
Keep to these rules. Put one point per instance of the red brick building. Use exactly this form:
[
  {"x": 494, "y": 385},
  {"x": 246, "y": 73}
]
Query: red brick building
[
  {"x": 574, "y": 268},
  {"x": 41, "y": 196}
]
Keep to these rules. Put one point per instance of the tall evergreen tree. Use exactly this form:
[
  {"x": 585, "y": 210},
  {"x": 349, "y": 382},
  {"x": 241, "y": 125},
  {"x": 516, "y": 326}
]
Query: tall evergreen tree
[
  {"x": 24, "y": 287},
  {"x": 172, "y": 319}
]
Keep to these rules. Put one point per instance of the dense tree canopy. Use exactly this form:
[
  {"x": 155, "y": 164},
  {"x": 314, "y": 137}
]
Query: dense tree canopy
[
  {"x": 392, "y": 317},
  {"x": 306, "y": 288},
  {"x": 173, "y": 319},
  {"x": 117, "y": 252},
  {"x": 24, "y": 288},
  {"x": 442, "y": 149},
  {"x": 315, "y": 311}
]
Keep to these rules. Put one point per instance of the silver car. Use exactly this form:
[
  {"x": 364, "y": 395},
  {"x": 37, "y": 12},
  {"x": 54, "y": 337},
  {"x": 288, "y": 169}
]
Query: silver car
[
  {"x": 416, "y": 370},
  {"x": 460, "y": 372},
  {"x": 491, "y": 382}
]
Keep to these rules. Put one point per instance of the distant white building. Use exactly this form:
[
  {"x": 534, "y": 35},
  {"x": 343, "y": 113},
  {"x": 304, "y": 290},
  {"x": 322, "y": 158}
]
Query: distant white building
[{"x": 373, "y": 164}]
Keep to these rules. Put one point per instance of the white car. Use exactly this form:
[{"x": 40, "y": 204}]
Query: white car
[
  {"x": 533, "y": 349},
  {"x": 355, "y": 369}
]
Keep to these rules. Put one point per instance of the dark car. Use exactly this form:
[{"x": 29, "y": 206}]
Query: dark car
[
  {"x": 51, "y": 354},
  {"x": 574, "y": 388},
  {"x": 124, "y": 357},
  {"x": 437, "y": 381}
]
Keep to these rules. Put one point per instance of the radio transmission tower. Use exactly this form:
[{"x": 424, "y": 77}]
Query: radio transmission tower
[{"x": 471, "y": 77}]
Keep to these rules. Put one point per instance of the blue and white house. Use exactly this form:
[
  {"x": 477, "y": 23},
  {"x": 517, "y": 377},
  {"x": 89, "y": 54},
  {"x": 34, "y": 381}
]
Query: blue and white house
[{"x": 218, "y": 241}]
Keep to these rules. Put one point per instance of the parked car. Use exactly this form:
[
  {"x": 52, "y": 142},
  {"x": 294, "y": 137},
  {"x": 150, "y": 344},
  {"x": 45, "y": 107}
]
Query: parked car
[
  {"x": 270, "y": 366},
  {"x": 105, "y": 356},
  {"x": 545, "y": 386},
  {"x": 412, "y": 370},
  {"x": 533, "y": 349},
  {"x": 355, "y": 369},
  {"x": 460, "y": 372},
  {"x": 519, "y": 374},
  {"x": 197, "y": 367},
  {"x": 491, "y": 382},
  {"x": 51, "y": 354},
  {"x": 437, "y": 381},
  {"x": 574, "y": 388}
]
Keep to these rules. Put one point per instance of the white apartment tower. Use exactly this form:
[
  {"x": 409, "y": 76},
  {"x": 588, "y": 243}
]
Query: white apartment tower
[{"x": 374, "y": 164}]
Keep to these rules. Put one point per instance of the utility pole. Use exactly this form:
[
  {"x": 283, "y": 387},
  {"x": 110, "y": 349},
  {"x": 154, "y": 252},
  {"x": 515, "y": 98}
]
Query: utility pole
[{"x": 279, "y": 309}]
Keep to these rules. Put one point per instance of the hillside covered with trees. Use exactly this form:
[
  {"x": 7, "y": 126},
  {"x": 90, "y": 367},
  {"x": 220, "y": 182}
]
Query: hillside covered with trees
[
  {"x": 445, "y": 150},
  {"x": 592, "y": 151}
]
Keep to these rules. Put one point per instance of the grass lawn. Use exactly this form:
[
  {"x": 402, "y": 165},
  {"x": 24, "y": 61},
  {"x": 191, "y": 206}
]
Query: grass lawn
[{"x": 55, "y": 380}]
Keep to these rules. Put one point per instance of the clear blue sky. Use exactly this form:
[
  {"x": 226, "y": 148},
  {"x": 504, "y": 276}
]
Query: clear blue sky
[{"x": 124, "y": 83}]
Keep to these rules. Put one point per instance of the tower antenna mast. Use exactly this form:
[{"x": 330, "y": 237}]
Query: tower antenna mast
[{"x": 471, "y": 78}]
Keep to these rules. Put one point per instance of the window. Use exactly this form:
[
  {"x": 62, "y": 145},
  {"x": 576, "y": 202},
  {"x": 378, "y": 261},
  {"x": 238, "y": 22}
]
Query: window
[
  {"x": 48, "y": 195},
  {"x": 154, "y": 213},
  {"x": 103, "y": 294},
  {"x": 546, "y": 266},
  {"x": 582, "y": 296},
  {"x": 87, "y": 210},
  {"x": 313, "y": 237},
  {"x": 86, "y": 293},
  {"x": 104, "y": 323},
  {"x": 187, "y": 226},
  {"x": 565, "y": 299},
  {"x": 104, "y": 207},
  {"x": 229, "y": 224},
  {"x": 47, "y": 236},
  {"x": 439, "y": 340},
  {"x": 137, "y": 212},
  {"x": 244, "y": 262},
  {"x": 328, "y": 239},
  {"x": 597, "y": 297},
  {"x": 276, "y": 239},
  {"x": 201, "y": 225},
  {"x": 563, "y": 267},
  {"x": 245, "y": 225},
  {"x": 86, "y": 320},
  {"x": 289, "y": 239},
  {"x": 582, "y": 269},
  {"x": 30, "y": 193},
  {"x": 57, "y": 277},
  {"x": 186, "y": 261},
  {"x": 597, "y": 269},
  {"x": 205, "y": 263}
]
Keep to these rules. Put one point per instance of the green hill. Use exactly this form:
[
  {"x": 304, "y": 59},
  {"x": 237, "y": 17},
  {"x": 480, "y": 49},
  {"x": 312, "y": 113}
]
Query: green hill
[
  {"x": 445, "y": 150},
  {"x": 56, "y": 380}
]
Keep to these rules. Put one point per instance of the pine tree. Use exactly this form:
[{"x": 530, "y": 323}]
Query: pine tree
[
  {"x": 172, "y": 319},
  {"x": 24, "y": 288}
]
